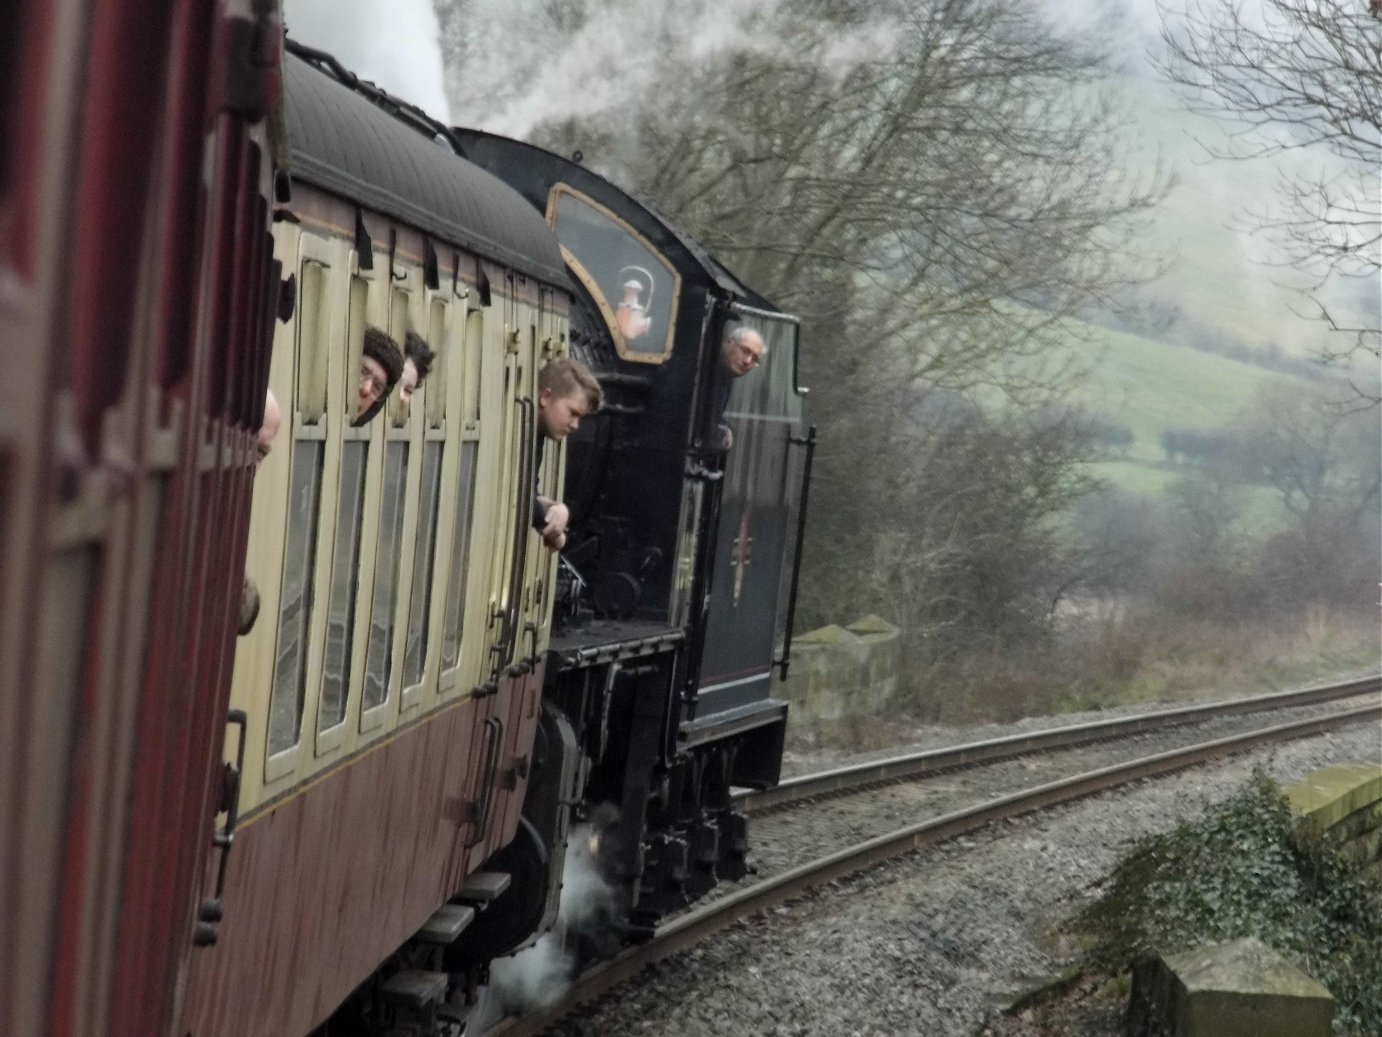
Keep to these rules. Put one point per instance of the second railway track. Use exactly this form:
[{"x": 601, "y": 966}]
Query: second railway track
[{"x": 855, "y": 777}]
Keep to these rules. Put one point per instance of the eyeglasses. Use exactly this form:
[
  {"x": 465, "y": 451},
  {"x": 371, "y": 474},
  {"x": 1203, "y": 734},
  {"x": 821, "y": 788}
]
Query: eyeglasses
[
  {"x": 371, "y": 382},
  {"x": 754, "y": 358}
]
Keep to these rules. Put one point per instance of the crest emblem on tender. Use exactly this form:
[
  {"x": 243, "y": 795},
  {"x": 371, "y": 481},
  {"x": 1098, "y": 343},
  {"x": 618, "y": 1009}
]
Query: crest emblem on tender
[{"x": 742, "y": 554}]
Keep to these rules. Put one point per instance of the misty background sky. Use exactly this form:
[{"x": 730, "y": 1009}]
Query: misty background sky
[{"x": 1218, "y": 267}]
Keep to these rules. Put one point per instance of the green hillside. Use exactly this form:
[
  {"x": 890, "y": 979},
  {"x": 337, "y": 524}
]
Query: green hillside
[{"x": 1153, "y": 386}]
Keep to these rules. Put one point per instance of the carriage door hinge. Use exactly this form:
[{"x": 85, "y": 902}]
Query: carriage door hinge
[{"x": 254, "y": 77}]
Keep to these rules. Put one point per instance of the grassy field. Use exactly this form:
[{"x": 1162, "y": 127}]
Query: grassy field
[{"x": 1151, "y": 386}]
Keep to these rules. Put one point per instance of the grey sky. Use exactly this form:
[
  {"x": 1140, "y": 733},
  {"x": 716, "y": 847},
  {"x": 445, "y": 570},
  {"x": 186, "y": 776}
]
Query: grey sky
[
  {"x": 392, "y": 43},
  {"x": 609, "y": 64}
]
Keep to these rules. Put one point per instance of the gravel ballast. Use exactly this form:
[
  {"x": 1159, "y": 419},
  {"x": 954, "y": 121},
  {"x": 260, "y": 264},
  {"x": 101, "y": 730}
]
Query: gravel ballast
[{"x": 936, "y": 943}]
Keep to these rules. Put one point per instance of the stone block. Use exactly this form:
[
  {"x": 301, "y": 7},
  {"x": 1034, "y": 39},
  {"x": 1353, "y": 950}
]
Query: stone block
[
  {"x": 873, "y": 628},
  {"x": 1363, "y": 848},
  {"x": 827, "y": 635},
  {"x": 1360, "y": 822},
  {"x": 1237, "y": 989},
  {"x": 836, "y": 672},
  {"x": 1327, "y": 796}
]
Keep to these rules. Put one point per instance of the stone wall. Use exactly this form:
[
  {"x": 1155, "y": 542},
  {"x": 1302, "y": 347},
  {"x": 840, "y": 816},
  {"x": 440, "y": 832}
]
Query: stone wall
[
  {"x": 842, "y": 671},
  {"x": 1345, "y": 803}
]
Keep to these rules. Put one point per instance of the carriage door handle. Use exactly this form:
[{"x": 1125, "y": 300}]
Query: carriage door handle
[
  {"x": 212, "y": 910},
  {"x": 494, "y": 730}
]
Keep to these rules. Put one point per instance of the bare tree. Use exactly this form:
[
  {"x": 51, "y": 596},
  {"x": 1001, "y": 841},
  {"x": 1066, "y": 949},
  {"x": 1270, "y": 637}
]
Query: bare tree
[
  {"x": 1319, "y": 454},
  {"x": 1299, "y": 75},
  {"x": 935, "y": 186},
  {"x": 953, "y": 171}
]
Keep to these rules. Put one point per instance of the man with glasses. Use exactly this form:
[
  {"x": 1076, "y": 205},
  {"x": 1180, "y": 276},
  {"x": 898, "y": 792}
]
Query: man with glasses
[
  {"x": 381, "y": 365},
  {"x": 740, "y": 352}
]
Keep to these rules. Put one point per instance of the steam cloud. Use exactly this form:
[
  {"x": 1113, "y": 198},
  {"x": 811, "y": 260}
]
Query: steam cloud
[
  {"x": 537, "y": 976},
  {"x": 395, "y": 45}
]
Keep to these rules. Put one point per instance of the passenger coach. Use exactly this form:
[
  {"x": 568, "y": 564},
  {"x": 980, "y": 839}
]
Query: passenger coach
[{"x": 385, "y": 702}]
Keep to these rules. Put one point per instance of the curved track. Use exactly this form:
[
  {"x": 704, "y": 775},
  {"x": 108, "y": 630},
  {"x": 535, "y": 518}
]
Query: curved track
[{"x": 696, "y": 925}]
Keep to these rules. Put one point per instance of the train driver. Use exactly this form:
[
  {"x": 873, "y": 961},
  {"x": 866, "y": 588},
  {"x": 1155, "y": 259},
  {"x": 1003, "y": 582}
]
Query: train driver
[
  {"x": 740, "y": 352},
  {"x": 566, "y": 393}
]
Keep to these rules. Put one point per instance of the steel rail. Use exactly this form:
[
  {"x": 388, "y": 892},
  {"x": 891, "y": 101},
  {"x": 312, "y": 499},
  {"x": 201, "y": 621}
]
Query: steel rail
[
  {"x": 694, "y": 926},
  {"x": 878, "y": 772}
]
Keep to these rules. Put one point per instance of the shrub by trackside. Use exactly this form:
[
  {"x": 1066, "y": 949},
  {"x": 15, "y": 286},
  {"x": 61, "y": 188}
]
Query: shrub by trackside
[{"x": 1244, "y": 870}]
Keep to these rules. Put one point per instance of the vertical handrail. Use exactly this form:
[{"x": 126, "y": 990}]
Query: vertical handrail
[
  {"x": 520, "y": 517},
  {"x": 523, "y": 520},
  {"x": 494, "y": 729},
  {"x": 809, "y": 441}
]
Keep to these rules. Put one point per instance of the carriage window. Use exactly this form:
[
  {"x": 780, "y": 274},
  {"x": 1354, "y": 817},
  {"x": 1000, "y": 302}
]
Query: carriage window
[
  {"x": 313, "y": 325},
  {"x": 290, "y": 671},
  {"x": 398, "y": 314},
  {"x": 434, "y": 389},
  {"x": 635, "y": 288},
  {"x": 380, "y": 651},
  {"x": 415, "y": 649},
  {"x": 460, "y": 562},
  {"x": 474, "y": 351},
  {"x": 340, "y": 618}
]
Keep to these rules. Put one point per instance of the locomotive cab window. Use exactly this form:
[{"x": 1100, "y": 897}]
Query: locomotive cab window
[
  {"x": 635, "y": 288},
  {"x": 770, "y": 388}
]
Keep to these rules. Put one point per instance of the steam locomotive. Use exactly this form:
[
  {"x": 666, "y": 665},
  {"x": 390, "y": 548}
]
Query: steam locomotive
[{"x": 430, "y": 699}]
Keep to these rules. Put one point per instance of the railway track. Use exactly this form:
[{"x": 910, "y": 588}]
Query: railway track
[{"x": 688, "y": 929}]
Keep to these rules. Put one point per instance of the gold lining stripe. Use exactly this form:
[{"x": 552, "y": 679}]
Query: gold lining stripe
[{"x": 598, "y": 293}]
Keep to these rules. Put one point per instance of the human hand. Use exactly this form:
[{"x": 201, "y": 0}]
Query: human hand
[{"x": 558, "y": 515}]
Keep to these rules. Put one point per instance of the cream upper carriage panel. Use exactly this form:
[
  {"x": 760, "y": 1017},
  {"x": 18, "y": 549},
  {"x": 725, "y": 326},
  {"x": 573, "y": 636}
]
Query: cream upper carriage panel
[{"x": 384, "y": 554}]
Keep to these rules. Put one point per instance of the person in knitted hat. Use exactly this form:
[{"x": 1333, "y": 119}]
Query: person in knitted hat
[
  {"x": 417, "y": 364},
  {"x": 381, "y": 365}
]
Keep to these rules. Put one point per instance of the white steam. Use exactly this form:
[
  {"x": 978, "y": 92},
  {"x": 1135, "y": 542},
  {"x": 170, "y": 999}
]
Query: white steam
[
  {"x": 603, "y": 59},
  {"x": 531, "y": 979},
  {"x": 537, "y": 977},
  {"x": 394, "y": 45}
]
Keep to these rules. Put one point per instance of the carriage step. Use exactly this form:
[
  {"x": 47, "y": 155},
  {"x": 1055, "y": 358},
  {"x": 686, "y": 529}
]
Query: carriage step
[
  {"x": 414, "y": 989},
  {"x": 484, "y": 886},
  {"x": 447, "y": 923}
]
